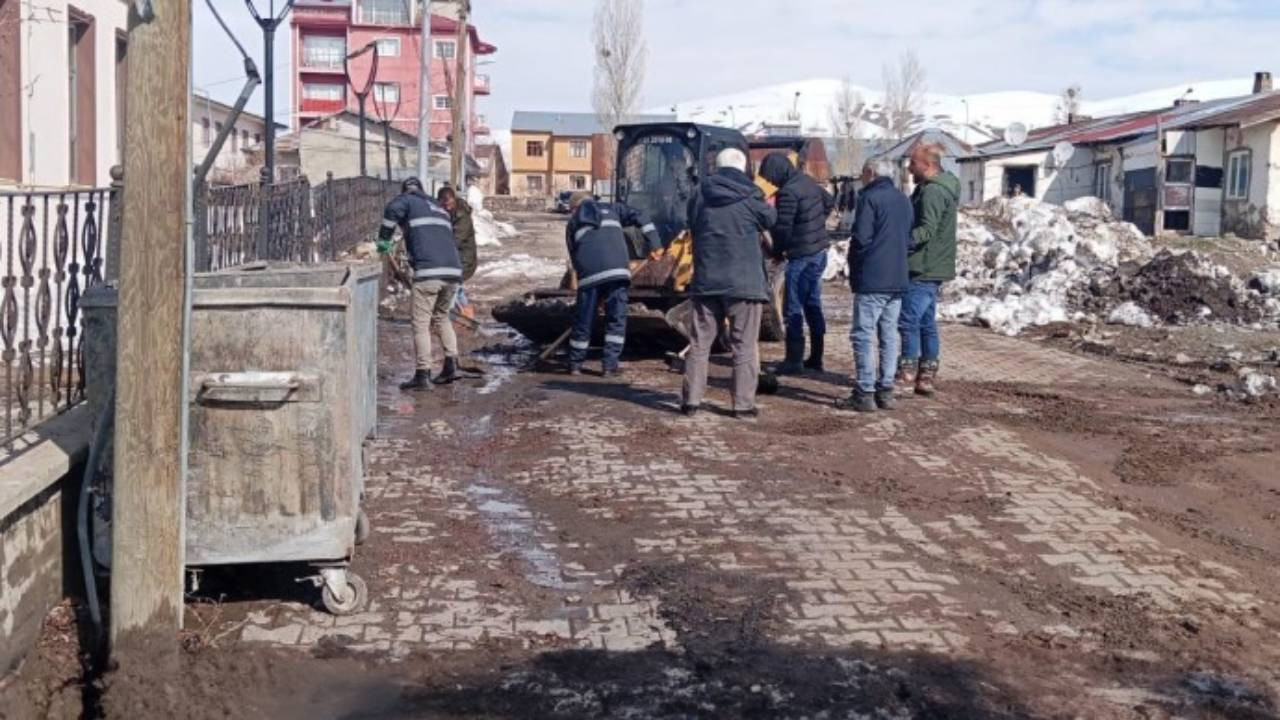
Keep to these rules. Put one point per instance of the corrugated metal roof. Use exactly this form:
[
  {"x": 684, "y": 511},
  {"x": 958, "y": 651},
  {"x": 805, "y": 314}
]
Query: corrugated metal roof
[
  {"x": 1244, "y": 111},
  {"x": 955, "y": 147},
  {"x": 572, "y": 124}
]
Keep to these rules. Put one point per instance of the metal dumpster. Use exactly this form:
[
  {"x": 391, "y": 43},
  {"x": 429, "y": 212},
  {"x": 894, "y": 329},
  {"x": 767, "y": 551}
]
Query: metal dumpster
[{"x": 283, "y": 392}]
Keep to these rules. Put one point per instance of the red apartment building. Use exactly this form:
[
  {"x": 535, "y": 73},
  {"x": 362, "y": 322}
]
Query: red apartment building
[{"x": 325, "y": 31}]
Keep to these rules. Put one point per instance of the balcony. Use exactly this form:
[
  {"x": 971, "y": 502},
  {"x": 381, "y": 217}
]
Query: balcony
[
  {"x": 312, "y": 105},
  {"x": 482, "y": 85},
  {"x": 481, "y": 126}
]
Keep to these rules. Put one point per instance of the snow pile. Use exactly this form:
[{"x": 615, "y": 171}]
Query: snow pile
[
  {"x": 837, "y": 262},
  {"x": 489, "y": 231},
  {"x": 1185, "y": 287},
  {"x": 1021, "y": 262},
  {"x": 1253, "y": 384},
  {"x": 1131, "y": 315},
  {"x": 522, "y": 264},
  {"x": 1266, "y": 281}
]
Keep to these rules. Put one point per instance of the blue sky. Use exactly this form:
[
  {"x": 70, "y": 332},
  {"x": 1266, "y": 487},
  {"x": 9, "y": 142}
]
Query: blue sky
[{"x": 700, "y": 48}]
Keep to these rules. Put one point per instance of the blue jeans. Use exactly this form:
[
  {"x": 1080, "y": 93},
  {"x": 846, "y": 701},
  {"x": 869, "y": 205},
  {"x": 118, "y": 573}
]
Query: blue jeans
[
  {"x": 919, "y": 325},
  {"x": 875, "y": 314},
  {"x": 804, "y": 297},
  {"x": 614, "y": 295}
]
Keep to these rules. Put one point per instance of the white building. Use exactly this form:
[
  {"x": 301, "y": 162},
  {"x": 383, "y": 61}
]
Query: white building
[
  {"x": 62, "y": 68},
  {"x": 1194, "y": 168},
  {"x": 237, "y": 162}
]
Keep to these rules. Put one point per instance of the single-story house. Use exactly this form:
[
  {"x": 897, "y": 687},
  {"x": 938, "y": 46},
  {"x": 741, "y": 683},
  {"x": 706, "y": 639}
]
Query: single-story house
[
  {"x": 1198, "y": 168},
  {"x": 900, "y": 154}
]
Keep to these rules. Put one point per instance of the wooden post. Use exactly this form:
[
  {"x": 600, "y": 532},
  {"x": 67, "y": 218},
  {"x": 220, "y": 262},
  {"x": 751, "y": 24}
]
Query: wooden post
[
  {"x": 147, "y": 518},
  {"x": 461, "y": 79}
]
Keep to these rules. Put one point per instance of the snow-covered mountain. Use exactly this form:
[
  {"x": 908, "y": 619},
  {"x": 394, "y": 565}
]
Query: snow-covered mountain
[{"x": 980, "y": 116}]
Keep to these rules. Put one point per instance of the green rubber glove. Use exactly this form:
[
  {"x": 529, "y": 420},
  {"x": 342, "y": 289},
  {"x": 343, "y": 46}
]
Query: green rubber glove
[{"x": 384, "y": 246}]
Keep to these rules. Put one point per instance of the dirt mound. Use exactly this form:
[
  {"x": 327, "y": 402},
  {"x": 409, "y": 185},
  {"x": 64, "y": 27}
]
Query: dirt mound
[{"x": 1181, "y": 288}]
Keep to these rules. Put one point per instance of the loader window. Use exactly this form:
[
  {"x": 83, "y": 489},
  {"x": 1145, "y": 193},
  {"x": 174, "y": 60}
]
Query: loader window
[{"x": 657, "y": 179}]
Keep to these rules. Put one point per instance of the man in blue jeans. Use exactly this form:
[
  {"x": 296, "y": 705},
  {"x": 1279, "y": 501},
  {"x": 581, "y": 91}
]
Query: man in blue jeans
[
  {"x": 932, "y": 262},
  {"x": 800, "y": 235},
  {"x": 878, "y": 277}
]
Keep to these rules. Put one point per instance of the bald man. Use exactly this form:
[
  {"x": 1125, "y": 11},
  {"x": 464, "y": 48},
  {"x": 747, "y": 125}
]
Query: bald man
[{"x": 931, "y": 262}]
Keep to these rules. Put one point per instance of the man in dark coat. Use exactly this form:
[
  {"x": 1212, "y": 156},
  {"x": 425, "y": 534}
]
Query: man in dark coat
[
  {"x": 726, "y": 219},
  {"x": 800, "y": 235},
  {"x": 464, "y": 234},
  {"x": 437, "y": 270},
  {"x": 602, "y": 262},
  {"x": 878, "y": 278}
]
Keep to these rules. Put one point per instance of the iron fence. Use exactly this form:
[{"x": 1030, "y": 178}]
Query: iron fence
[
  {"x": 307, "y": 224},
  {"x": 54, "y": 247}
]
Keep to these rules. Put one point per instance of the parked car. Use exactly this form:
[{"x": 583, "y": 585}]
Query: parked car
[{"x": 562, "y": 202}]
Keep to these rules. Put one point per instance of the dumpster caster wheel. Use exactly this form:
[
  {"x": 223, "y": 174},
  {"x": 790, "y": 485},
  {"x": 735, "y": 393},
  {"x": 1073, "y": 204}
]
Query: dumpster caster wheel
[
  {"x": 362, "y": 527},
  {"x": 354, "y": 596}
]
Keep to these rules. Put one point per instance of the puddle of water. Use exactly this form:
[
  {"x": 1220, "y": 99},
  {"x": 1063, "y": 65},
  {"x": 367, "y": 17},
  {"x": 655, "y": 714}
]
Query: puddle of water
[{"x": 514, "y": 529}]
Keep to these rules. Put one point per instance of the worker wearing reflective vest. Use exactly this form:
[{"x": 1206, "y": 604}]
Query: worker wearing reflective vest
[
  {"x": 602, "y": 262},
  {"x": 437, "y": 270}
]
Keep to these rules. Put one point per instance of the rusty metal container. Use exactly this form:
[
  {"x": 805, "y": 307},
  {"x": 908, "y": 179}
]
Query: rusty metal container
[{"x": 283, "y": 393}]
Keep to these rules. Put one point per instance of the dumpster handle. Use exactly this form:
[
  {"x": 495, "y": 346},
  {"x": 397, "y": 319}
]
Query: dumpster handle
[{"x": 248, "y": 381}]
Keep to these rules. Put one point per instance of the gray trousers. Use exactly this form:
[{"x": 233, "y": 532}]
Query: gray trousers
[{"x": 709, "y": 315}]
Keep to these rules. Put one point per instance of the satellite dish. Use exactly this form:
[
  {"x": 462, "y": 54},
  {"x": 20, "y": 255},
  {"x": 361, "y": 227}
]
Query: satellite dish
[
  {"x": 1015, "y": 134},
  {"x": 1062, "y": 152}
]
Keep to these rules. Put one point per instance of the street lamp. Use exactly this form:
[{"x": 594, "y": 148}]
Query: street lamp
[{"x": 269, "y": 25}]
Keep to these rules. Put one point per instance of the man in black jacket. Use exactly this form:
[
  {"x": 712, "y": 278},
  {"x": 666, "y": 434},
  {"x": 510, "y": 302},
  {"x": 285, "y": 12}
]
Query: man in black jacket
[
  {"x": 602, "y": 263},
  {"x": 878, "y": 278},
  {"x": 800, "y": 235},
  {"x": 726, "y": 218},
  {"x": 437, "y": 270}
]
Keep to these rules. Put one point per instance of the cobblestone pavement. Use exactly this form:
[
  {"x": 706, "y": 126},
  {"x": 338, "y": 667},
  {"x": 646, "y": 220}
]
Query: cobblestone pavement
[{"x": 567, "y": 501}]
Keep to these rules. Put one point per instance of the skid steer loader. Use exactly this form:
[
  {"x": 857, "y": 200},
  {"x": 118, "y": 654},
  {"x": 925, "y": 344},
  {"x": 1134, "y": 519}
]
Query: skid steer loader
[{"x": 658, "y": 169}]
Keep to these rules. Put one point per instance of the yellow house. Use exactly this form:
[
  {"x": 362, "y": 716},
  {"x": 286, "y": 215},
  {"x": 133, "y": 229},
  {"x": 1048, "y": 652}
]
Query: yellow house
[{"x": 552, "y": 152}]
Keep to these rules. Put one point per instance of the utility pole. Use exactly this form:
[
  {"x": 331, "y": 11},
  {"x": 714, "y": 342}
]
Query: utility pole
[
  {"x": 149, "y": 504},
  {"x": 268, "y": 178},
  {"x": 460, "y": 80},
  {"x": 424, "y": 95}
]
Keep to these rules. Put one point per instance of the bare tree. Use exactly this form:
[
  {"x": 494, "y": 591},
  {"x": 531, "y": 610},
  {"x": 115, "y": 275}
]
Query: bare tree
[
  {"x": 846, "y": 127},
  {"x": 904, "y": 89},
  {"x": 620, "y": 54},
  {"x": 1070, "y": 104}
]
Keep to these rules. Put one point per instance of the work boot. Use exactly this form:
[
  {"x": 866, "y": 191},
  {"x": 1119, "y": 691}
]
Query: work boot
[
  {"x": 421, "y": 380},
  {"x": 574, "y": 369},
  {"x": 793, "y": 364},
  {"x": 858, "y": 401},
  {"x": 612, "y": 372},
  {"x": 689, "y": 410},
  {"x": 449, "y": 373},
  {"x": 816, "y": 348},
  {"x": 884, "y": 399},
  {"x": 748, "y": 414},
  {"x": 906, "y": 377},
  {"x": 926, "y": 377}
]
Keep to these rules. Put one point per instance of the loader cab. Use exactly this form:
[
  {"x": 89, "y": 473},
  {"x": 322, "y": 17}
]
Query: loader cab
[{"x": 660, "y": 166}]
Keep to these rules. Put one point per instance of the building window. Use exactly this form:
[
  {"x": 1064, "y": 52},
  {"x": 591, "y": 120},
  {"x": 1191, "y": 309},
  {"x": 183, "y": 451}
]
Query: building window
[
  {"x": 322, "y": 91},
  {"x": 235, "y": 144},
  {"x": 534, "y": 183},
  {"x": 81, "y": 109},
  {"x": 384, "y": 12},
  {"x": 577, "y": 182},
  {"x": 1239, "y": 166},
  {"x": 217, "y": 128},
  {"x": 323, "y": 51},
  {"x": 257, "y": 138},
  {"x": 204, "y": 132},
  {"x": 389, "y": 47},
  {"x": 386, "y": 93},
  {"x": 533, "y": 148},
  {"x": 244, "y": 138},
  {"x": 578, "y": 148},
  {"x": 446, "y": 49},
  {"x": 1179, "y": 171},
  {"x": 443, "y": 102},
  {"x": 1102, "y": 182}
]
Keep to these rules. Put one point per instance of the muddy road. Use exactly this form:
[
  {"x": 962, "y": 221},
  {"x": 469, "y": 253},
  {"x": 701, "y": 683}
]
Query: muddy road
[{"x": 1056, "y": 535}]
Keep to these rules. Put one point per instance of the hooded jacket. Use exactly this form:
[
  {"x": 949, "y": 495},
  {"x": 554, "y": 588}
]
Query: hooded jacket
[
  {"x": 803, "y": 207},
  {"x": 881, "y": 234},
  {"x": 428, "y": 236},
  {"x": 933, "y": 239},
  {"x": 464, "y": 235},
  {"x": 597, "y": 245},
  {"x": 726, "y": 218}
]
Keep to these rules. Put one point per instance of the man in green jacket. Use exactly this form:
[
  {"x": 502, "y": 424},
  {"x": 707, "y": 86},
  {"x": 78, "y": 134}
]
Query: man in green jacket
[
  {"x": 464, "y": 234},
  {"x": 931, "y": 262}
]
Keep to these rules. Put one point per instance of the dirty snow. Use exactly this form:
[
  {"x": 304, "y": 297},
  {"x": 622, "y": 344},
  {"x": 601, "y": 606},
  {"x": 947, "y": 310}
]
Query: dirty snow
[
  {"x": 1255, "y": 384},
  {"x": 1021, "y": 262},
  {"x": 489, "y": 231},
  {"x": 521, "y": 264},
  {"x": 1130, "y": 314}
]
